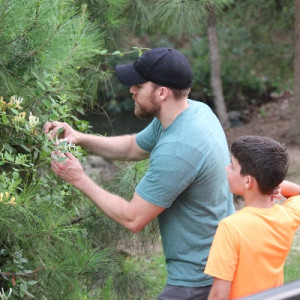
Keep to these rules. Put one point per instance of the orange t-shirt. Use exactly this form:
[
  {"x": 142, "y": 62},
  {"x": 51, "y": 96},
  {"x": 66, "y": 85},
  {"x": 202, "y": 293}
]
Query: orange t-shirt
[{"x": 250, "y": 247}]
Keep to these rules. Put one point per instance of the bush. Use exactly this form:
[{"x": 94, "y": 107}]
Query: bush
[{"x": 47, "y": 59}]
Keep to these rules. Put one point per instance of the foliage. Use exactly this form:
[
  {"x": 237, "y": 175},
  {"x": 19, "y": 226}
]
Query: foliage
[
  {"x": 292, "y": 269},
  {"x": 43, "y": 248},
  {"x": 3, "y": 295},
  {"x": 242, "y": 88},
  {"x": 48, "y": 57},
  {"x": 154, "y": 265},
  {"x": 101, "y": 228},
  {"x": 117, "y": 18},
  {"x": 257, "y": 38},
  {"x": 44, "y": 43},
  {"x": 177, "y": 17},
  {"x": 113, "y": 96}
]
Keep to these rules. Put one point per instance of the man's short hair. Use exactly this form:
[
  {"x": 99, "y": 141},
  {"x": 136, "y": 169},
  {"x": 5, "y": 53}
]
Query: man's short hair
[
  {"x": 263, "y": 158},
  {"x": 178, "y": 93}
]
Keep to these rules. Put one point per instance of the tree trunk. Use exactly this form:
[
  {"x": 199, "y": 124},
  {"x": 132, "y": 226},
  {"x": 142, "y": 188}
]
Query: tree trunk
[
  {"x": 294, "y": 133},
  {"x": 215, "y": 65}
]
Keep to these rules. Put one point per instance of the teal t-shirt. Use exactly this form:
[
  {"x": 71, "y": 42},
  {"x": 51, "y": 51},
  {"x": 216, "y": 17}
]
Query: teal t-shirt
[{"x": 187, "y": 176}]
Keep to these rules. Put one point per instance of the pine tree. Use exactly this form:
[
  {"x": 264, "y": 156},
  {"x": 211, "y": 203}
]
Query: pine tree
[{"x": 49, "y": 55}]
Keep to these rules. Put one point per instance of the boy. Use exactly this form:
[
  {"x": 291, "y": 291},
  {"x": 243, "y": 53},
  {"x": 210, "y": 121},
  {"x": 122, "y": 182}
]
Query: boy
[{"x": 250, "y": 247}]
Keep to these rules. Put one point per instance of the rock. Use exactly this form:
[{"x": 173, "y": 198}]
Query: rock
[{"x": 97, "y": 166}]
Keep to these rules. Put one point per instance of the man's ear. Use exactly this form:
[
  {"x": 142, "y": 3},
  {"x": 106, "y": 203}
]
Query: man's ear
[{"x": 163, "y": 93}]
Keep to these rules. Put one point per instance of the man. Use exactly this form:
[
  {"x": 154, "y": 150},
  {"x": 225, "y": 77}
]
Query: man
[{"x": 185, "y": 185}]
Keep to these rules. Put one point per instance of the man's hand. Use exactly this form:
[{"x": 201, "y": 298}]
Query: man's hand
[
  {"x": 69, "y": 170},
  {"x": 61, "y": 130}
]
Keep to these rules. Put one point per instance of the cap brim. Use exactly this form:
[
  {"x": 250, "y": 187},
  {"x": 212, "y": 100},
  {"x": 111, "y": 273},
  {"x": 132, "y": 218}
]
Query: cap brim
[{"x": 128, "y": 75}]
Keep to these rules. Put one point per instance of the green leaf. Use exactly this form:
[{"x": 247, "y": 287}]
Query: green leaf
[
  {"x": 60, "y": 130},
  {"x": 25, "y": 147},
  {"x": 8, "y": 147},
  {"x": 55, "y": 113},
  {"x": 14, "y": 111},
  {"x": 8, "y": 157},
  {"x": 62, "y": 144},
  {"x": 23, "y": 287},
  {"x": 80, "y": 110},
  {"x": 97, "y": 51},
  {"x": 29, "y": 294},
  {"x": 41, "y": 85},
  {"x": 46, "y": 103},
  {"x": 27, "y": 126},
  {"x": 4, "y": 118}
]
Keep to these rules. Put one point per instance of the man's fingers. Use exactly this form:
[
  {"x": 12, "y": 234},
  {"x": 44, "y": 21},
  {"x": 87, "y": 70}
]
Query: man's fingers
[
  {"x": 70, "y": 155},
  {"x": 53, "y": 127},
  {"x": 47, "y": 127},
  {"x": 57, "y": 153}
]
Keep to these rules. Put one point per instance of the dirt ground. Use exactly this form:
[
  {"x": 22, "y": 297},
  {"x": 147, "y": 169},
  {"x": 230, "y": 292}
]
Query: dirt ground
[{"x": 272, "y": 120}]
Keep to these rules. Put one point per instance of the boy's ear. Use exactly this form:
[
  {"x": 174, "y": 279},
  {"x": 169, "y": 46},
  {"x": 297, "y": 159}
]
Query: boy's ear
[{"x": 249, "y": 181}]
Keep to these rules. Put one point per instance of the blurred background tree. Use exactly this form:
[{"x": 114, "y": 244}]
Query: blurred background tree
[{"x": 294, "y": 133}]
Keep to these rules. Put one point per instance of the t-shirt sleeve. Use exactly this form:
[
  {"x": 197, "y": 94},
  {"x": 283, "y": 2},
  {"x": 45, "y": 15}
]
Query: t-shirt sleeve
[
  {"x": 293, "y": 203},
  {"x": 147, "y": 138},
  {"x": 167, "y": 177},
  {"x": 223, "y": 255}
]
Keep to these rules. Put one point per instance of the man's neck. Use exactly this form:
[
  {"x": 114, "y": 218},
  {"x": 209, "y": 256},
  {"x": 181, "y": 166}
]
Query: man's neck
[{"x": 171, "y": 110}]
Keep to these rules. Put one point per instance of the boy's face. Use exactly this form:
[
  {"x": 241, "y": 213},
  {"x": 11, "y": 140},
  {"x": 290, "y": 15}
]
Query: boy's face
[{"x": 234, "y": 177}]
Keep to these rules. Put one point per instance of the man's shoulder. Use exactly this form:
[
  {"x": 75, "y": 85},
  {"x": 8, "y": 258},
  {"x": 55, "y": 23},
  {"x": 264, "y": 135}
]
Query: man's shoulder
[{"x": 198, "y": 104}]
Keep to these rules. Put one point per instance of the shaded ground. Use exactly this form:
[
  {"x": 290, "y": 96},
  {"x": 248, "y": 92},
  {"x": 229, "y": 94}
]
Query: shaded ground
[{"x": 272, "y": 120}]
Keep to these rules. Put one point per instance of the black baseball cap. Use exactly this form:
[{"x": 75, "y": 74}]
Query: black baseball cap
[{"x": 163, "y": 66}]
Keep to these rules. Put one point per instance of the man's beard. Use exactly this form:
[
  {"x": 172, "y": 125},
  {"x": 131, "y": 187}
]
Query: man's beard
[{"x": 144, "y": 113}]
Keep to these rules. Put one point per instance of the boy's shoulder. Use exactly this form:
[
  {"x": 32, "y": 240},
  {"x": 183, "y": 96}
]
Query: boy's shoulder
[
  {"x": 242, "y": 217},
  {"x": 237, "y": 215},
  {"x": 234, "y": 219}
]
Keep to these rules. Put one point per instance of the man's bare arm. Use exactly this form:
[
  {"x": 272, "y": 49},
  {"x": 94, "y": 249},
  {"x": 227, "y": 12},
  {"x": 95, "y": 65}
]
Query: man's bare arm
[
  {"x": 133, "y": 215},
  {"x": 117, "y": 147}
]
